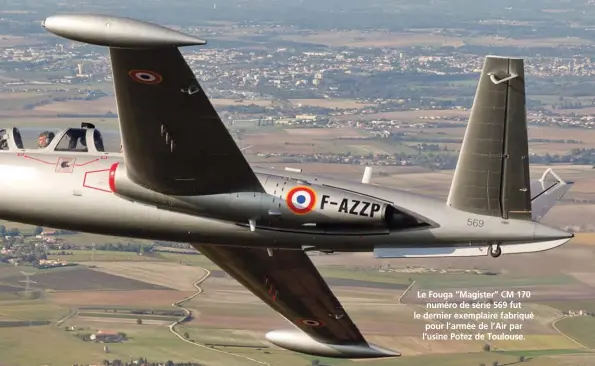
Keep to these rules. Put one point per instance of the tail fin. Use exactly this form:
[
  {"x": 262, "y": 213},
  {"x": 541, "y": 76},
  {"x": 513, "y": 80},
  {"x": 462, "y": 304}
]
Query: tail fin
[
  {"x": 547, "y": 192},
  {"x": 492, "y": 173}
]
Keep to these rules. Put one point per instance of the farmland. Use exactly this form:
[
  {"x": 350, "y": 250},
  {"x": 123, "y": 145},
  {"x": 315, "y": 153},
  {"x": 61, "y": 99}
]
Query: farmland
[
  {"x": 415, "y": 37},
  {"x": 158, "y": 273},
  {"x": 83, "y": 279},
  {"x": 89, "y": 256},
  {"x": 141, "y": 298},
  {"x": 579, "y": 328},
  {"x": 227, "y": 315}
]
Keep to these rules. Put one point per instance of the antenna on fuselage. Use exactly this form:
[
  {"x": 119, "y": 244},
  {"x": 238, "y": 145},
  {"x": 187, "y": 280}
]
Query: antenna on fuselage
[{"x": 367, "y": 175}]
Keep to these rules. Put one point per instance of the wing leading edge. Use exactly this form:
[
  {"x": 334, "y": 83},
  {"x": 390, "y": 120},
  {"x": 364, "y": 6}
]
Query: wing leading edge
[{"x": 289, "y": 283}]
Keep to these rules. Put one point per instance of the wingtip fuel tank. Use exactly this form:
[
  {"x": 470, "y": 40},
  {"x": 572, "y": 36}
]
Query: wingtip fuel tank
[
  {"x": 299, "y": 341},
  {"x": 116, "y": 32}
]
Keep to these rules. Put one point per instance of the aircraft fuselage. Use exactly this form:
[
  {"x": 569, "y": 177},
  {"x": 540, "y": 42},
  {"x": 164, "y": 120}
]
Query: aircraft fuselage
[{"x": 73, "y": 191}]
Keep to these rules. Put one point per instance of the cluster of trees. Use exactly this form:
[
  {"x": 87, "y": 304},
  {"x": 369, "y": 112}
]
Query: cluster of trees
[
  {"x": 125, "y": 247},
  {"x": 576, "y": 156},
  {"x": 403, "y": 137},
  {"x": 448, "y": 160},
  {"x": 13, "y": 231},
  {"x": 488, "y": 348},
  {"x": 417, "y": 86},
  {"x": 158, "y": 312},
  {"x": 51, "y": 100},
  {"x": 170, "y": 244},
  {"x": 434, "y": 156}
]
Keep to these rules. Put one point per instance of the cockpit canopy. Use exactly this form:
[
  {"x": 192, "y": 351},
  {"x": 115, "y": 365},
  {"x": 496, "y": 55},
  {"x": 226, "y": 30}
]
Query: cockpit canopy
[
  {"x": 74, "y": 139},
  {"x": 11, "y": 139}
]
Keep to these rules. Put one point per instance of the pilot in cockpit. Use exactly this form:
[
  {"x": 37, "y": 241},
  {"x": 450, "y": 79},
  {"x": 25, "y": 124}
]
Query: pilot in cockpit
[
  {"x": 45, "y": 138},
  {"x": 82, "y": 140}
]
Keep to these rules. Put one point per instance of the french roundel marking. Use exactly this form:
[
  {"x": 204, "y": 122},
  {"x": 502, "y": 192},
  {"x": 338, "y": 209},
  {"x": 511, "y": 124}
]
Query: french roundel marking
[
  {"x": 311, "y": 323},
  {"x": 301, "y": 200},
  {"x": 145, "y": 76}
]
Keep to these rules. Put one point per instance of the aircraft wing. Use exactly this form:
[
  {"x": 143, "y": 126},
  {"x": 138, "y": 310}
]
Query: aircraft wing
[
  {"x": 289, "y": 283},
  {"x": 174, "y": 141}
]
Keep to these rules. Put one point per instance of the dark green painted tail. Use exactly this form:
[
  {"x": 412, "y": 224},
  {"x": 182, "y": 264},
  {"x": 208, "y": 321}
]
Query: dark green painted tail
[{"x": 492, "y": 174}]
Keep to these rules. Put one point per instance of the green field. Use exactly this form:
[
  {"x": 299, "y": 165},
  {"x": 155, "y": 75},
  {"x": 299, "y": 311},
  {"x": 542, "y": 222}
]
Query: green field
[
  {"x": 240, "y": 338},
  {"x": 7, "y": 270},
  {"x": 25, "y": 229},
  {"x": 87, "y": 239},
  {"x": 228, "y": 309},
  {"x": 538, "y": 343},
  {"x": 154, "y": 343},
  {"x": 122, "y": 308},
  {"x": 354, "y": 273},
  {"x": 542, "y": 352},
  {"x": 100, "y": 255},
  {"x": 31, "y": 310},
  {"x": 464, "y": 359},
  {"x": 157, "y": 343},
  {"x": 221, "y": 336},
  {"x": 581, "y": 328},
  {"x": 194, "y": 260},
  {"x": 435, "y": 281},
  {"x": 128, "y": 316}
]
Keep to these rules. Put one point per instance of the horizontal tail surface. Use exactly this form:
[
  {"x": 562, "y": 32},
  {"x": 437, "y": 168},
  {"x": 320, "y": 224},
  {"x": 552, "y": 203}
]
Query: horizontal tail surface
[{"x": 546, "y": 192}]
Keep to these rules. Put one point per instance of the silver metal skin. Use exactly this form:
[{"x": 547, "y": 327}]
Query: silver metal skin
[
  {"x": 105, "y": 30},
  {"x": 182, "y": 178},
  {"x": 299, "y": 342},
  {"x": 82, "y": 200}
]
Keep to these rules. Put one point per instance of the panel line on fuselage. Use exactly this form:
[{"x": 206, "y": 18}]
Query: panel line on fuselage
[{"x": 66, "y": 155}]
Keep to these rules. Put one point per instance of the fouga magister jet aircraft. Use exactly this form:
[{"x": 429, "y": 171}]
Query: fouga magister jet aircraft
[{"x": 182, "y": 178}]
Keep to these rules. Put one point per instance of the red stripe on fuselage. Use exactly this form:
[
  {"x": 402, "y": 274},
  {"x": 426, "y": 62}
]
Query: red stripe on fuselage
[{"x": 112, "y": 177}]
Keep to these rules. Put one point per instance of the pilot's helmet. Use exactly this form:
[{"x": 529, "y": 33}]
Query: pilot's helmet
[{"x": 45, "y": 138}]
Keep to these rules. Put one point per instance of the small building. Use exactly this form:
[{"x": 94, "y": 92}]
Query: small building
[{"x": 107, "y": 336}]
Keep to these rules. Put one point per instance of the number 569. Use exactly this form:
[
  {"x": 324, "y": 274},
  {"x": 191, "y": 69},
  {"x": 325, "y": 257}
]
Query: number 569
[{"x": 474, "y": 222}]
